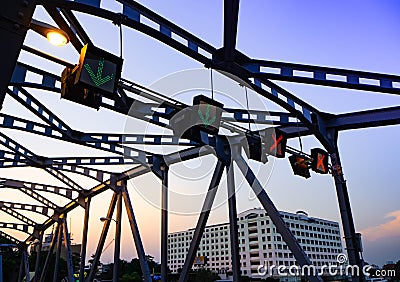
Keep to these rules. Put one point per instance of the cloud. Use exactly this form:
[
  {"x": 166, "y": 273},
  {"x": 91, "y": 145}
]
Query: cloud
[{"x": 384, "y": 230}]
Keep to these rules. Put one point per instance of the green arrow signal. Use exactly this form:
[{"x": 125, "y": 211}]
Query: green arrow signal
[
  {"x": 97, "y": 79},
  {"x": 206, "y": 120}
]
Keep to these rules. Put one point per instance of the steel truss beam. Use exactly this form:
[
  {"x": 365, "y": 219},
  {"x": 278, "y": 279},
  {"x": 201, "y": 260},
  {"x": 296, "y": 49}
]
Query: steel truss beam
[
  {"x": 9, "y": 238},
  {"x": 43, "y": 210},
  {"x": 275, "y": 216},
  {"x": 202, "y": 221},
  {"x": 29, "y": 187},
  {"x": 233, "y": 223},
  {"x": 16, "y": 226},
  {"x": 42, "y": 275},
  {"x": 17, "y": 215},
  {"x": 231, "y": 15},
  {"x": 325, "y": 76}
]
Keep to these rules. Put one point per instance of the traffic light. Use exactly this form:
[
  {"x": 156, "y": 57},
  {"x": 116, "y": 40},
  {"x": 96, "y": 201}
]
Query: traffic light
[
  {"x": 275, "y": 142},
  {"x": 182, "y": 125},
  {"x": 204, "y": 116},
  {"x": 207, "y": 114},
  {"x": 253, "y": 147},
  {"x": 77, "y": 93},
  {"x": 299, "y": 166},
  {"x": 96, "y": 74},
  {"x": 98, "y": 70},
  {"x": 319, "y": 162}
]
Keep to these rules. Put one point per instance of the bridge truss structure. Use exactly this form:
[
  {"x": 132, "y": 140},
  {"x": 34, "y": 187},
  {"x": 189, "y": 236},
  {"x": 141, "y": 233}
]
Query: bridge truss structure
[{"x": 324, "y": 126}]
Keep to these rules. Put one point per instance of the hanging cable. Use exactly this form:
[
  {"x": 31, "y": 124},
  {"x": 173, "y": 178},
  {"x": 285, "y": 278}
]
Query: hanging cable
[
  {"x": 120, "y": 40},
  {"x": 247, "y": 105},
  {"x": 118, "y": 21},
  {"x": 212, "y": 84},
  {"x": 298, "y": 131}
]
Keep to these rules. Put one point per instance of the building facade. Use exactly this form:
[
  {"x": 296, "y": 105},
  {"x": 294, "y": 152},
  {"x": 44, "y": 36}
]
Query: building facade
[{"x": 259, "y": 243}]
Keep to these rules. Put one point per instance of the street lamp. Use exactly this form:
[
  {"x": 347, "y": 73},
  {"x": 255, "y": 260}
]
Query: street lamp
[
  {"x": 55, "y": 35},
  {"x": 102, "y": 219}
]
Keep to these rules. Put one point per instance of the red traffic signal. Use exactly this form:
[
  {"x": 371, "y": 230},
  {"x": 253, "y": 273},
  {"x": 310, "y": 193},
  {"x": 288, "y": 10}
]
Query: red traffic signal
[
  {"x": 319, "y": 163},
  {"x": 275, "y": 142},
  {"x": 299, "y": 166}
]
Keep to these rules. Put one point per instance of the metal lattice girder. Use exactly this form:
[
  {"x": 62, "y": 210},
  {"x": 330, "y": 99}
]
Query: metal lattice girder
[
  {"x": 143, "y": 110},
  {"x": 28, "y": 187},
  {"x": 76, "y": 26},
  {"x": 63, "y": 178},
  {"x": 135, "y": 13},
  {"x": 317, "y": 75},
  {"x": 15, "y": 147},
  {"x": 91, "y": 161},
  {"x": 96, "y": 174},
  {"x": 9, "y": 238},
  {"x": 7, "y": 121},
  {"x": 131, "y": 173},
  {"x": 43, "y": 210},
  {"x": 363, "y": 119},
  {"x": 32, "y": 104},
  {"x": 38, "y": 197},
  {"x": 17, "y": 215},
  {"x": 10, "y": 159},
  {"x": 16, "y": 226}
]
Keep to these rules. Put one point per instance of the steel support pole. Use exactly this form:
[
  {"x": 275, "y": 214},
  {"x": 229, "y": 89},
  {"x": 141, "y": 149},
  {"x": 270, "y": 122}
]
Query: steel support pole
[
  {"x": 58, "y": 252},
  {"x": 233, "y": 225},
  {"x": 1, "y": 268},
  {"x": 67, "y": 244},
  {"x": 164, "y": 224},
  {"x": 202, "y": 221},
  {"x": 345, "y": 211},
  {"x": 21, "y": 268},
  {"x": 102, "y": 239},
  {"x": 275, "y": 216},
  {"x": 84, "y": 240},
  {"x": 117, "y": 246},
  {"x": 15, "y": 19},
  {"x": 136, "y": 235},
  {"x": 26, "y": 264},
  {"x": 38, "y": 255},
  {"x": 42, "y": 275}
]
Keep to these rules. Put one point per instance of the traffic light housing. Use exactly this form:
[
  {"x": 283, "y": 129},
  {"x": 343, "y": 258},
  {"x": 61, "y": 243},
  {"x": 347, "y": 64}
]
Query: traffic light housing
[
  {"x": 207, "y": 114},
  {"x": 275, "y": 142},
  {"x": 204, "y": 116},
  {"x": 299, "y": 166},
  {"x": 98, "y": 70},
  {"x": 254, "y": 148},
  {"x": 96, "y": 74},
  {"x": 77, "y": 93},
  {"x": 319, "y": 162}
]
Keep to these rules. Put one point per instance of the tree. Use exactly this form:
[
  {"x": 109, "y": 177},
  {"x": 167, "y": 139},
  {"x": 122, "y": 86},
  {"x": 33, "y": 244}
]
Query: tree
[
  {"x": 203, "y": 275},
  {"x": 11, "y": 261}
]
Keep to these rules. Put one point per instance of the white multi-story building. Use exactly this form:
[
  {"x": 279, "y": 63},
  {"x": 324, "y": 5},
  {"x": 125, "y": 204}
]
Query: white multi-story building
[{"x": 259, "y": 243}]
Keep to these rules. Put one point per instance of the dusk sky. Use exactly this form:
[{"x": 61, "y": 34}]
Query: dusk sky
[{"x": 360, "y": 35}]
